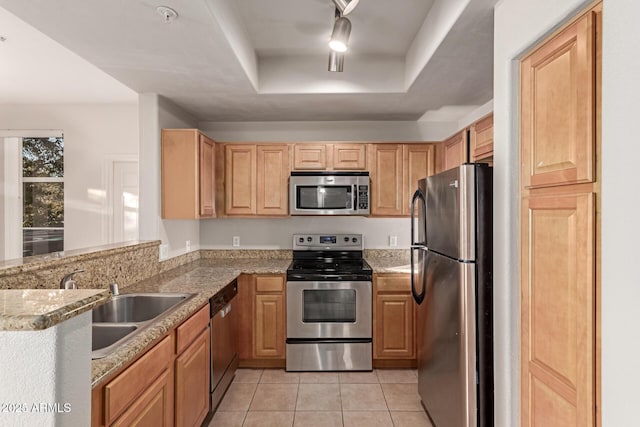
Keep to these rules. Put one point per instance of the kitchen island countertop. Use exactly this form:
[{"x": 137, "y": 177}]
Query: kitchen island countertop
[{"x": 38, "y": 309}]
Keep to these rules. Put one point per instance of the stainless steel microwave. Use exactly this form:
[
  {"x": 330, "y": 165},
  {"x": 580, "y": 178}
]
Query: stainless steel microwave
[{"x": 329, "y": 193}]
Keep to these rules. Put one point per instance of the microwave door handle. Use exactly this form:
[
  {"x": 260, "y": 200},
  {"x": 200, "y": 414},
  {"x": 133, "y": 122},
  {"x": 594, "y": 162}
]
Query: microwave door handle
[{"x": 355, "y": 197}]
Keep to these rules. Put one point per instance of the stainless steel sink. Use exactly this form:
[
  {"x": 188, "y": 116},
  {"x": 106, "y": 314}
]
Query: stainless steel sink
[
  {"x": 124, "y": 316},
  {"x": 133, "y": 308}
]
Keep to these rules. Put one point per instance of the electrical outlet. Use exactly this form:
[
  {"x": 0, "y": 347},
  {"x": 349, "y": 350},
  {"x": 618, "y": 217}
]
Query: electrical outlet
[
  {"x": 164, "y": 251},
  {"x": 236, "y": 241},
  {"x": 187, "y": 246},
  {"x": 393, "y": 241}
]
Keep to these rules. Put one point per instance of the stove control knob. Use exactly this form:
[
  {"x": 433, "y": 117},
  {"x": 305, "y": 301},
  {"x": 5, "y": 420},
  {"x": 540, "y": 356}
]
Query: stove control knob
[
  {"x": 309, "y": 239},
  {"x": 346, "y": 239},
  {"x": 354, "y": 240},
  {"x": 300, "y": 239}
]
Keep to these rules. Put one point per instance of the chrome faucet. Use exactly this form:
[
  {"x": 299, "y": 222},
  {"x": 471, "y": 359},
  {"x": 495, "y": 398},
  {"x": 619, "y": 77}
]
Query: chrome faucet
[{"x": 67, "y": 281}]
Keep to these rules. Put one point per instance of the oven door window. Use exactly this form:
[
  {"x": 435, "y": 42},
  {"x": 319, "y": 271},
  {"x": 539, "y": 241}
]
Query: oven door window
[
  {"x": 329, "y": 305},
  {"x": 323, "y": 197}
]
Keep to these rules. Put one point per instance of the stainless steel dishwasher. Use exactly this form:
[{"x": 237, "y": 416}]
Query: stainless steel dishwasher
[{"x": 224, "y": 346}]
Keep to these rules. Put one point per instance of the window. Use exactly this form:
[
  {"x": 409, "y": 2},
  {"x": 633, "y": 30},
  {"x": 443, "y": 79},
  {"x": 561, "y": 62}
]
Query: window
[{"x": 42, "y": 195}]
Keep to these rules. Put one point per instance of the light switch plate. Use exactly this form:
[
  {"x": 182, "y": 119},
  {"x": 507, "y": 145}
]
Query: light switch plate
[
  {"x": 236, "y": 241},
  {"x": 393, "y": 241},
  {"x": 187, "y": 246}
]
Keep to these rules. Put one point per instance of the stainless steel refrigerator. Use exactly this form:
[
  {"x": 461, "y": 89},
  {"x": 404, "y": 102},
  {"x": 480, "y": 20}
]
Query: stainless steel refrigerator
[{"x": 451, "y": 265}]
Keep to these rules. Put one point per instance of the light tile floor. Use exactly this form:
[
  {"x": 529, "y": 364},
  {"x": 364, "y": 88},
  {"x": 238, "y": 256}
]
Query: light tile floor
[{"x": 275, "y": 398}]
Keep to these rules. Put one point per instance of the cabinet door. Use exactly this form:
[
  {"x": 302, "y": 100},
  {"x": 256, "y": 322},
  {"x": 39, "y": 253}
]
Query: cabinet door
[
  {"x": 240, "y": 179},
  {"x": 385, "y": 168},
  {"x": 418, "y": 162},
  {"x": 557, "y": 111},
  {"x": 310, "y": 157},
  {"x": 481, "y": 142},
  {"x": 179, "y": 156},
  {"x": 349, "y": 157},
  {"x": 269, "y": 326},
  {"x": 455, "y": 151},
  {"x": 154, "y": 407},
  {"x": 557, "y": 309},
  {"x": 273, "y": 179},
  {"x": 394, "y": 327},
  {"x": 207, "y": 177},
  {"x": 192, "y": 382}
]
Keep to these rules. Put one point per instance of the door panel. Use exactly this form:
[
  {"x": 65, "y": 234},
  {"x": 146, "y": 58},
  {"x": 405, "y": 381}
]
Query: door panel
[
  {"x": 385, "y": 167},
  {"x": 273, "y": 178},
  {"x": 207, "y": 175},
  {"x": 558, "y": 288}
]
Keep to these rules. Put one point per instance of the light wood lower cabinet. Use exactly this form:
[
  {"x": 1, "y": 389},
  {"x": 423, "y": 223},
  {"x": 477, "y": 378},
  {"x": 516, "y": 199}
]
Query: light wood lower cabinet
[
  {"x": 154, "y": 407},
  {"x": 261, "y": 320},
  {"x": 167, "y": 385},
  {"x": 394, "y": 318},
  {"x": 192, "y": 382}
]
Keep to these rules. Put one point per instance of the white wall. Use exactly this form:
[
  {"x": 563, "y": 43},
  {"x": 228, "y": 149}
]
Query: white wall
[
  {"x": 276, "y": 233},
  {"x": 519, "y": 24},
  {"x": 157, "y": 113},
  {"x": 92, "y": 133}
]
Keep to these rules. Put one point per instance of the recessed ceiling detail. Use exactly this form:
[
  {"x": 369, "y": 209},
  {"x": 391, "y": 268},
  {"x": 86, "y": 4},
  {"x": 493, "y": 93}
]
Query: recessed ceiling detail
[{"x": 232, "y": 60}]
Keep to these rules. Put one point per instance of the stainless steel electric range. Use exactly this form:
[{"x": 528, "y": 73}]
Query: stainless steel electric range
[{"x": 329, "y": 300}]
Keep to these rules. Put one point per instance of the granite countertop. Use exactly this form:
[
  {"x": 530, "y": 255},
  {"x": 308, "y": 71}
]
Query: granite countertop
[
  {"x": 390, "y": 264},
  {"x": 37, "y": 309},
  {"x": 204, "y": 277}
]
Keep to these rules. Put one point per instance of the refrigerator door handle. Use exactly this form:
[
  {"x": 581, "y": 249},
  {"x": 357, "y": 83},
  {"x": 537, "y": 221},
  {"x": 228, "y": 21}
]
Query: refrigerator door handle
[
  {"x": 418, "y": 297},
  {"x": 417, "y": 195}
]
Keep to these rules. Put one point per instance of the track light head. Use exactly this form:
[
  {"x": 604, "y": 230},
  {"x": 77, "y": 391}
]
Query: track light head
[
  {"x": 336, "y": 61},
  {"x": 346, "y": 6},
  {"x": 340, "y": 35}
]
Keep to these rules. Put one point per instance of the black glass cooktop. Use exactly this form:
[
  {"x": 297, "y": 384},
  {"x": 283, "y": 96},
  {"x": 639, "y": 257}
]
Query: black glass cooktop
[{"x": 329, "y": 266}]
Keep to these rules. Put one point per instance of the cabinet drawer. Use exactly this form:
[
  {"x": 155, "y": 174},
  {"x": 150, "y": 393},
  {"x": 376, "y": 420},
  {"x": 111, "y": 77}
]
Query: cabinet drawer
[
  {"x": 123, "y": 390},
  {"x": 191, "y": 328},
  {"x": 269, "y": 284},
  {"x": 400, "y": 283}
]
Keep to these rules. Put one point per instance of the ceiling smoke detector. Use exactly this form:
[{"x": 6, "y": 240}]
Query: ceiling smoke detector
[{"x": 168, "y": 14}]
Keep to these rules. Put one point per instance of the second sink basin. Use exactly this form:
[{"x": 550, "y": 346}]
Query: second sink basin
[{"x": 134, "y": 308}]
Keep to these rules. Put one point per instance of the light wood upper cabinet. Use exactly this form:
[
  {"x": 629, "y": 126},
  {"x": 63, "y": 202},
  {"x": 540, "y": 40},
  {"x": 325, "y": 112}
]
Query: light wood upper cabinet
[
  {"x": 393, "y": 317},
  {"x": 188, "y": 174},
  {"x": 558, "y": 288},
  {"x": 557, "y": 107},
  {"x": 418, "y": 162},
  {"x": 454, "y": 151},
  {"x": 240, "y": 179},
  {"x": 481, "y": 139},
  {"x": 310, "y": 156},
  {"x": 349, "y": 157},
  {"x": 269, "y": 328},
  {"x": 385, "y": 169},
  {"x": 273, "y": 179}
]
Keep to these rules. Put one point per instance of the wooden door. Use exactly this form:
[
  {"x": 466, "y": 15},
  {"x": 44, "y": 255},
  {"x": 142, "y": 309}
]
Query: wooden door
[
  {"x": 455, "y": 151},
  {"x": 154, "y": 407},
  {"x": 394, "y": 326},
  {"x": 269, "y": 326},
  {"x": 310, "y": 157},
  {"x": 481, "y": 139},
  {"x": 245, "y": 306},
  {"x": 240, "y": 179},
  {"x": 273, "y": 179},
  {"x": 385, "y": 169},
  {"x": 557, "y": 108},
  {"x": 349, "y": 157},
  {"x": 192, "y": 382},
  {"x": 207, "y": 175},
  {"x": 418, "y": 162},
  {"x": 558, "y": 309}
]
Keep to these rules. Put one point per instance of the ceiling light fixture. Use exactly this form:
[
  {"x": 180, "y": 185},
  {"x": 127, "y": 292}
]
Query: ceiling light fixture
[
  {"x": 336, "y": 61},
  {"x": 340, "y": 35},
  {"x": 346, "y": 6},
  {"x": 168, "y": 14}
]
